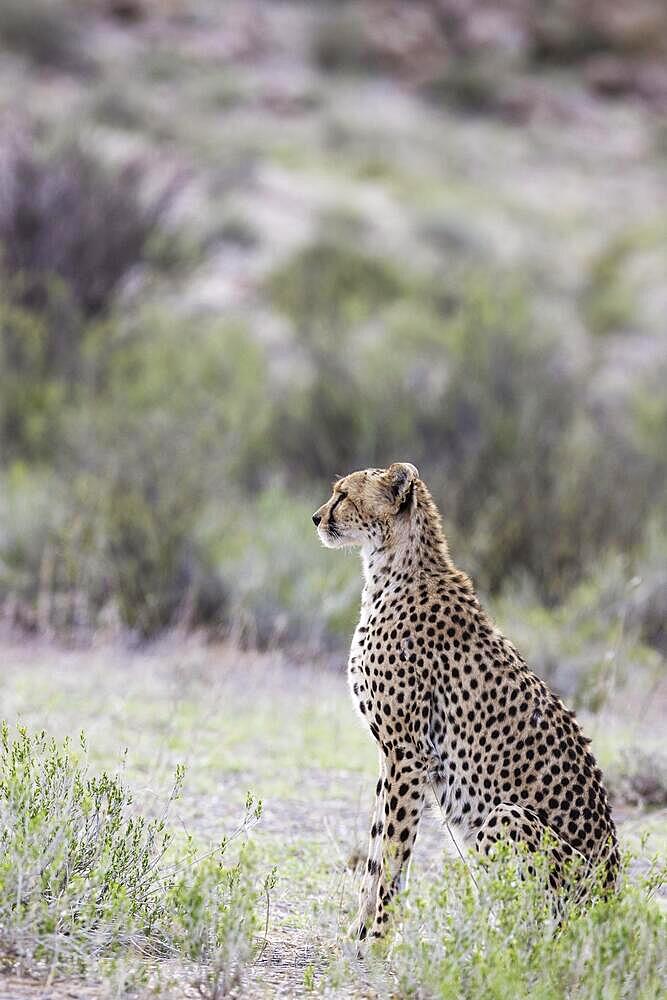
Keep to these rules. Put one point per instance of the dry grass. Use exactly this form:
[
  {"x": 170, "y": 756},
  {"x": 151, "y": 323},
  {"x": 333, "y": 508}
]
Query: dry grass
[{"x": 238, "y": 721}]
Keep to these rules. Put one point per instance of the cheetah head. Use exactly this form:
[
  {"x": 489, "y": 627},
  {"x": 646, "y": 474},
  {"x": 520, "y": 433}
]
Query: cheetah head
[{"x": 366, "y": 505}]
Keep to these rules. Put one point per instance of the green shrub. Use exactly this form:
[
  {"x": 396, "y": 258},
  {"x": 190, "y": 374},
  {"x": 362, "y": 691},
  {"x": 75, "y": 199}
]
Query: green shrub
[
  {"x": 640, "y": 778},
  {"x": 127, "y": 549},
  {"x": 328, "y": 287},
  {"x": 631, "y": 590},
  {"x": 46, "y": 31},
  {"x": 340, "y": 40},
  {"x": 88, "y": 884},
  {"x": 321, "y": 425},
  {"x": 619, "y": 293},
  {"x": 649, "y": 418},
  {"x": 66, "y": 218},
  {"x": 238, "y": 231},
  {"x": 70, "y": 234},
  {"x": 504, "y": 943},
  {"x": 32, "y": 395},
  {"x": 75, "y": 862},
  {"x": 180, "y": 413},
  {"x": 489, "y": 929},
  {"x": 608, "y": 304},
  {"x": 33, "y": 508},
  {"x": 592, "y": 644},
  {"x": 155, "y": 431},
  {"x": 471, "y": 83},
  {"x": 526, "y": 476},
  {"x": 119, "y": 109},
  {"x": 217, "y": 915},
  {"x": 494, "y": 412},
  {"x": 282, "y": 586},
  {"x": 168, "y": 422},
  {"x": 357, "y": 36}
]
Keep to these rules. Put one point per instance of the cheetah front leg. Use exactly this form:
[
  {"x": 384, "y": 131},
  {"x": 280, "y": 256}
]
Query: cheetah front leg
[
  {"x": 403, "y": 796},
  {"x": 371, "y": 876}
]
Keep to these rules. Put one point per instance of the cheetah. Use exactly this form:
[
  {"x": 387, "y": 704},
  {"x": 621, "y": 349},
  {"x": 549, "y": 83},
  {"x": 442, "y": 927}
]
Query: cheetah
[{"x": 452, "y": 705}]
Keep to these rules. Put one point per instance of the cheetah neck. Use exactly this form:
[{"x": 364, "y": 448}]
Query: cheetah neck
[{"x": 411, "y": 549}]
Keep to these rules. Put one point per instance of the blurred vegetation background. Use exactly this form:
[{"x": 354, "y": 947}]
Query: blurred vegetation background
[{"x": 248, "y": 246}]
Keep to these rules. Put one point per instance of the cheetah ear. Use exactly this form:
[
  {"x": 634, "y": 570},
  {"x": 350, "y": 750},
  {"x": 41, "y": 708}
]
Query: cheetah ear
[{"x": 400, "y": 477}]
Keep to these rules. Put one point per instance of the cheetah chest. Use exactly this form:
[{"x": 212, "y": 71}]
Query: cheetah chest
[{"x": 383, "y": 683}]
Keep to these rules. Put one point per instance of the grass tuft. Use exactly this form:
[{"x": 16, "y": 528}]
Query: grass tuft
[
  {"x": 487, "y": 928},
  {"x": 90, "y": 887}
]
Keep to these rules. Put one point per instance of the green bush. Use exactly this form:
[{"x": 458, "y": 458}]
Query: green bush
[
  {"x": 89, "y": 886},
  {"x": 322, "y": 424},
  {"x": 282, "y": 586},
  {"x": 505, "y": 942},
  {"x": 154, "y": 432},
  {"x": 46, "y": 31},
  {"x": 455, "y": 377},
  {"x": 496, "y": 415},
  {"x": 127, "y": 550},
  {"x": 619, "y": 294},
  {"x": 471, "y": 83},
  {"x": 608, "y": 304},
  {"x": 328, "y": 287},
  {"x": 32, "y": 395},
  {"x": 70, "y": 234},
  {"x": 168, "y": 422},
  {"x": 488, "y": 928},
  {"x": 178, "y": 415},
  {"x": 593, "y": 643},
  {"x": 116, "y": 108},
  {"x": 33, "y": 509},
  {"x": 640, "y": 778},
  {"x": 217, "y": 910},
  {"x": 340, "y": 40},
  {"x": 65, "y": 218}
]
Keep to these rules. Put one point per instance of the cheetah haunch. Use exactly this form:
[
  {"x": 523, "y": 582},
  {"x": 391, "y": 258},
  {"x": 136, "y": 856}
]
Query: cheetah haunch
[{"x": 451, "y": 703}]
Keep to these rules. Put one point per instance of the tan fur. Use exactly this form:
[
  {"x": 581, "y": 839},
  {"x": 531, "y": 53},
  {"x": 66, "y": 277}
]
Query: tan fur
[{"x": 449, "y": 700}]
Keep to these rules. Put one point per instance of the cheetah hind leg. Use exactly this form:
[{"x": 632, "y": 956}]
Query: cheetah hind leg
[{"x": 522, "y": 826}]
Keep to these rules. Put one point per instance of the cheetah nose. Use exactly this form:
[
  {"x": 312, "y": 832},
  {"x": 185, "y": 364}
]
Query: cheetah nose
[{"x": 316, "y": 519}]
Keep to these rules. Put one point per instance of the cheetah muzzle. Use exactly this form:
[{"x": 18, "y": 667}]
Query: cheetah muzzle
[{"x": 436, "y": 681}]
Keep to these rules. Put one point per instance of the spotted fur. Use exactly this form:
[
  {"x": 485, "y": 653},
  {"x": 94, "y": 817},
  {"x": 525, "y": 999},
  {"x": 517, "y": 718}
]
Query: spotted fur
[{"x": 450, "y": 702}]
